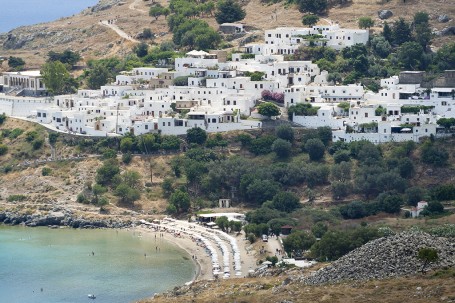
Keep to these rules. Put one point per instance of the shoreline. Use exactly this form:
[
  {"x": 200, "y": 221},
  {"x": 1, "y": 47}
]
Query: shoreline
[
  {"x": 53, "y": 19},
  {"x": 185, "y": 244}
]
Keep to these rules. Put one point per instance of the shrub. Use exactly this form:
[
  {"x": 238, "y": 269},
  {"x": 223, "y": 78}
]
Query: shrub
[
  {"x": 46, "y": 171},
  {"x": 3, "y": 149},
  {"x": 16, "y": 198},
  {"x": 126, "y": 158}
]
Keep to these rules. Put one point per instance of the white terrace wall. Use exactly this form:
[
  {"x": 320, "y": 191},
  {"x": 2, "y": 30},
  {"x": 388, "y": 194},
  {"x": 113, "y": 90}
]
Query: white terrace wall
[{"x": 23, "y": 107}]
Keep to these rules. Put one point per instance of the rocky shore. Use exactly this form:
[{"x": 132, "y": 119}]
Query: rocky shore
[{"x": 62, "y": 218}]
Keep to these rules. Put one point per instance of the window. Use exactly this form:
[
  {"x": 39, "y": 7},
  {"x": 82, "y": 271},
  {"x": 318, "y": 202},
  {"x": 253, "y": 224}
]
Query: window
[
  {"x": 146, "y": 126},
  {"x": 366, "y": 115}
]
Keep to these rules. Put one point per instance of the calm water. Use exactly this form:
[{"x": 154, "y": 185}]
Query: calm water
[
  {"x": 14, "y": 13},
  {"x": 61, "y": 262}
]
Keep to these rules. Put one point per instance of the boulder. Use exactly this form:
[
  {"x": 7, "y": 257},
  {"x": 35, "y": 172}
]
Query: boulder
[
  {"x": 448, "y": 31},
  {"x": 385, "y": 14},
  {"x": 443, "y": 18}
]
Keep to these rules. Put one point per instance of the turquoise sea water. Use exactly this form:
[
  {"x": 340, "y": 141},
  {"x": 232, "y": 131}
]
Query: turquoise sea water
[
  {"x": 60, "y": 261},
  {"x": 14, "y": 13}
]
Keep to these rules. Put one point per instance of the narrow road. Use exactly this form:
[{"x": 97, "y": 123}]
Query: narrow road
[{"x": 118, "y": 31}]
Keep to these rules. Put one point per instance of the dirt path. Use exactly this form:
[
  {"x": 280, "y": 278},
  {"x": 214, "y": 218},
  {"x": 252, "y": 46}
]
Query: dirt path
[
  {"x": 119, "y": 32},
  {"x": 133, "y": 6}
]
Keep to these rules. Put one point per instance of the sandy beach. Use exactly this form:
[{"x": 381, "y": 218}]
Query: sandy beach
[{"x": 199, "y": 254}]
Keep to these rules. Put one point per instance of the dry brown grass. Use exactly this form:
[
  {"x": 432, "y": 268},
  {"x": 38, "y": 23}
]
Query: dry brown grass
[{"x": 419, "y": 289}]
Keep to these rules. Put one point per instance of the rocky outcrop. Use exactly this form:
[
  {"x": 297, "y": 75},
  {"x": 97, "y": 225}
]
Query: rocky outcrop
[
  {"x": 386, "y": 257},
  {"x": 104, "y": 5},
  {"x": 385, "y": 14},
  {"x": 443, "y": 18},
  {"x": 448, "y": 31},
  {"x": 60, "y": 218}
]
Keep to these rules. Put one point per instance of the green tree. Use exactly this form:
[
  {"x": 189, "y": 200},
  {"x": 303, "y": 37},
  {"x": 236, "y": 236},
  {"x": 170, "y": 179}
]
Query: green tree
[
  {"x": 126, "y": 144},
  {"x": 268, "y": 109},
  {"x": 223, "y": 223},
  {"x": 285, "y": 132},
  {"x": 319, "y": 229},
  {"x": 387, "y": 33},
  {"x": 340, "y": 189},
  {"x": 285, "y": 201},
  {"x": 298, "y": 241},
  {"x": 423, "y": 34},
  {"x": 156, "y": 11},
  {"x": 401, "y": 32},
  {"x": 132, "y": 178},
  {"x": 366, "y": 22},
  {"x": 342, "y": 156},
  {"x": 435, "y": 155},
  {"x": 57, "y": 79},
  {"x": 229, "y": 11},
  {"x": 282, "y": 148},
  {"x": 98, "y": 76},
  {"x": 141, "y": 49},
  {"x": 312, "y": 6},
  {"x": 180, "y": 200},
  {"x": 315, "y": 149},
  {"x": 66, "y": 57},
  {"x": 53, "y": 137},
  {"x": 196, "y": 135},
  {"x": 427, "y": 255},
  {"x": 421, "y": 18},
  {"x": 433, "y": 208},
  {"x": 106, "y": 173},
  {"x": 16, "y": 62},
  {"x": 410, "y": 55},
  {"x": 381, "y": 46},
  {"x": 260, "y": 191},
  {"x": 414, "y": 195},
  {"x": 445, "y": 57},
  {"x": 126, "y": 194},
  {"x": 310, "y": 19}
]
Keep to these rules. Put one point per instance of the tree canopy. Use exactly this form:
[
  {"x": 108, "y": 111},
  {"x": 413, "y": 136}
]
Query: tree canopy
[
  {"x": 57, "y": 78},
  {"x": 229, "y": 11},
  {"x": 268, "y": 109}
]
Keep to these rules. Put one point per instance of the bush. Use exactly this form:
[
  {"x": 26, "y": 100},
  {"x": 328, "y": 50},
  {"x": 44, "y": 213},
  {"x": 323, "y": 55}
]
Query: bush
[
  {"x": 37, "y": 144},
  {"x": 285, "y": 132},
  {"x": 251, "y": 238},
  {"x": 435, "y": 155},
  {"x": 2, "y": 118},
  {"x": 282, "y": 148},
  {"x": 16, "y": 198},
  {"x": 46, "y": 171},
  {"x": 127, "y": 158},
  {"x": 81, "y": 198},
  {"x": 3, "y": 149},
  {"x": 315, "y": 149}
]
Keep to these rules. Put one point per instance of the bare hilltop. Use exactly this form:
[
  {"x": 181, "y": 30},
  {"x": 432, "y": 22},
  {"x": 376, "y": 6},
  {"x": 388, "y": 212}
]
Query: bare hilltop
[{"x": 112, "y": 27}]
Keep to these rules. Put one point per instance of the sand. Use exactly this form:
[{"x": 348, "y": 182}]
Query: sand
[{"x": 199, "y": 255}]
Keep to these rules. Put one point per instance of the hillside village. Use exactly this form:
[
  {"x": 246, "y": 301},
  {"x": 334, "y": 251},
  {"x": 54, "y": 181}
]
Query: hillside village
[
  {"x": 346, "y": 182},
  {"x": 221, "y": 95}
]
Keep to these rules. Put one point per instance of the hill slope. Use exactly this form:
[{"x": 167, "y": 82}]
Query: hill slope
[{"x": 86, "y": 34}]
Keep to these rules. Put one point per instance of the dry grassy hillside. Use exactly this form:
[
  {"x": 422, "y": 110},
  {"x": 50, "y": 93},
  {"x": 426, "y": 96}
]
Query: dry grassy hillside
[
  {"x": 420, "y": 289},
  {"x": 85, "y": 34},
  {"x": 70, "y": 176}
]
